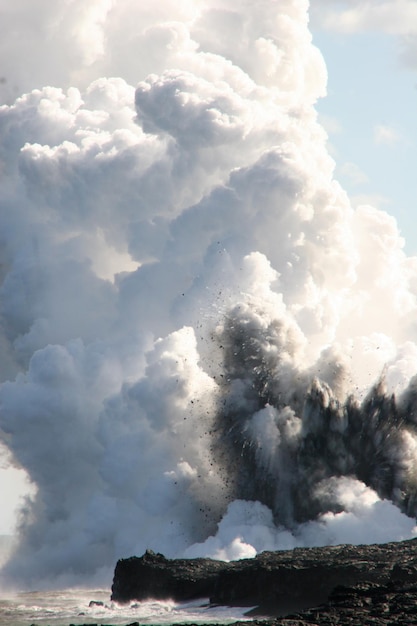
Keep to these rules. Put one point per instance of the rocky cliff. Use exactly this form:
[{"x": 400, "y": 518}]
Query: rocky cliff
[{"x": 276, "y": 583}]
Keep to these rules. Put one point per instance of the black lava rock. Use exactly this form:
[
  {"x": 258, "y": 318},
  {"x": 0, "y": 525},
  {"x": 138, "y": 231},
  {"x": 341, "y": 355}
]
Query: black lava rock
[{"x": 338, "y": 579}]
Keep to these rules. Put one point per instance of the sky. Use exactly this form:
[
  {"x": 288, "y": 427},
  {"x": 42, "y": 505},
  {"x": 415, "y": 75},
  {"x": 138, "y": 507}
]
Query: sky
[
  {"x": 370, "y": 108},
  {"x": 172, "y": 218}
]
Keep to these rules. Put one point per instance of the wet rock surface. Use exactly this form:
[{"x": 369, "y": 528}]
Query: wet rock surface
[
  {"x": 365, "y": 604},
  {"x": 373, "y": 584}
]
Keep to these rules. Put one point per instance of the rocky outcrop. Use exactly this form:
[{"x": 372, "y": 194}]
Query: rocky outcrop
[
  {"x": 276, "y": 583},
  {"x": 154, "y": 576},
  {"x": 365, "y": 603}
]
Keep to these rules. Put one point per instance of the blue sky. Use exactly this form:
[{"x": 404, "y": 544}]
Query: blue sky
[{"x": 370, "y": 112}]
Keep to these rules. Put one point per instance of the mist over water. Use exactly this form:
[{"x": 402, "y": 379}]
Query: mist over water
[{"x": 205, "y": 349}]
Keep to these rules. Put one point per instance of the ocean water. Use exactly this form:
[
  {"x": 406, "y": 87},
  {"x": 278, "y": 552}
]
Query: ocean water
[
  {"x": 94, "y": 606},
  {"x": 77, "y": 606}
]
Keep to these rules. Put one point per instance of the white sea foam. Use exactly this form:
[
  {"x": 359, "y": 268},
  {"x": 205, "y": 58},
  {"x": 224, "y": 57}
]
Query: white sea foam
[{"x": 75, "y": 605}]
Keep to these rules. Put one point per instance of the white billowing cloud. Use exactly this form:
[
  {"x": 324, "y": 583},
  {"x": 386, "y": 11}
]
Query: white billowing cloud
[
  {"x": 155, "y": 227},
  {"x": 55, "y": 43},
  {"x": 71, "y": 44},
  {"x": 375, "y": 200},
  {"x": 394, "y": 17},
  {"x": 248, "y": 527},
  {"x": 385, "y": 134},
  {"x": 359, "y": 522},
  {"x": 13, "y": 484},
  {"x": 353, "y": 173},
  {"x": 330, "y": 124},
  {"x": 408, "y": 53},
  {"x": 397, "y": 18},
  {"x": 142, "y": 459}
]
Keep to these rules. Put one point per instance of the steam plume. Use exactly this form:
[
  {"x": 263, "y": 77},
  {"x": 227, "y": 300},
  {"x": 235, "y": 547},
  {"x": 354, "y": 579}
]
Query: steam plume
[{"x": 200, "y": 337}]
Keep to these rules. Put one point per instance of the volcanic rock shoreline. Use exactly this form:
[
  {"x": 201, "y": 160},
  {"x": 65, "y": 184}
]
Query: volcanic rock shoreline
[{"x": 346, "y": 584}]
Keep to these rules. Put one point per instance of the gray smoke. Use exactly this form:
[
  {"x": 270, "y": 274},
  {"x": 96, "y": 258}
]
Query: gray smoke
[{"x": 285, "y": 433}]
